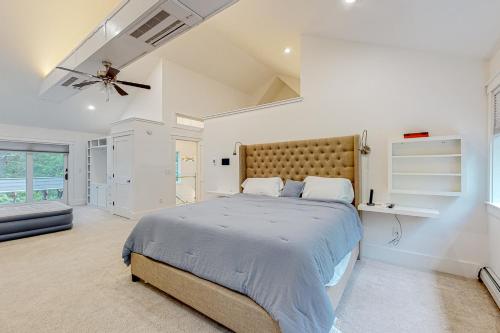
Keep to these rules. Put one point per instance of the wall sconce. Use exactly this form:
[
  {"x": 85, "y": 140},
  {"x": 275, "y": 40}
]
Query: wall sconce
[
  {"x": 364, "y": 149},
  {"x": 235, "y": 146}
]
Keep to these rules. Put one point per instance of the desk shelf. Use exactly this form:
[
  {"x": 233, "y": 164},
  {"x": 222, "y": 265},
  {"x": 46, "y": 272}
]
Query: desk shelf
[{"x": 400, "y": 210}]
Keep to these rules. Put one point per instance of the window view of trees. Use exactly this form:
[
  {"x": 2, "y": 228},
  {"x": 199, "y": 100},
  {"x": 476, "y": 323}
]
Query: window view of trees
[
  {"x": 12, "y": 177},
  {"x": 48, "y": 176}
]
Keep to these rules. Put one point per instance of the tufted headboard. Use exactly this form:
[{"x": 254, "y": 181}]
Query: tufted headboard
[{"x": 330, "y": 157}]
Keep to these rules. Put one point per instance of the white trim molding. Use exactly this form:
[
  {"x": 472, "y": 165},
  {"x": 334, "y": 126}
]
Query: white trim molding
[
  {"x": 255, "y": 108},
  {"x": 491, "y": 87},
  {"x": 148, "y": 121},
  {"x": 421, "y": 261}
]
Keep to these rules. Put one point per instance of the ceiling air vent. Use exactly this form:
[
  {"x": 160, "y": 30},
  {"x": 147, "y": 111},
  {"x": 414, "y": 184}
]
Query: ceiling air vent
[
  {"x": 150, "y": 24},
  {"x": 171, "y": 29},
  {"x": 69, "y": 81}
]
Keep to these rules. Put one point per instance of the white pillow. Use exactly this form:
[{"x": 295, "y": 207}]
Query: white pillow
[
  {"x": 328, "y": 189},
  {"x": 271, "y": 186}
]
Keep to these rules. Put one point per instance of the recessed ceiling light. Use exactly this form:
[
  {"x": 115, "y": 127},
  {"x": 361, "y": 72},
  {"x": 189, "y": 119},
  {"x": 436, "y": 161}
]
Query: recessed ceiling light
[
  {"x": 287, "y": 50},
  {"x": 349, "y": 1},
  {"x": 91, "y": 107}
]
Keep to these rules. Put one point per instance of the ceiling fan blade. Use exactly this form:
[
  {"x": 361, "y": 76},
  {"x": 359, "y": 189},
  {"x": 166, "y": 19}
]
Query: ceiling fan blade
[
  {"x": 133, "y": 84},
  {"x": 120, "y": 90},
  {"x": 77, "y": 72},
  {"x": 84, "y": 84},
  {"x": 112, "y": 72}
]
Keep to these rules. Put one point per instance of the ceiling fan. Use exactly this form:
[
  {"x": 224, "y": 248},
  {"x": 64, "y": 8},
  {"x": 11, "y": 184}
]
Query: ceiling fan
[{"x": 108, "y": 78}]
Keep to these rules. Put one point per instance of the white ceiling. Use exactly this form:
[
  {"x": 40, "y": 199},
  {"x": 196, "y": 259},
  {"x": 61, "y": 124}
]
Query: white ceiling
[
  {"x": 241, "y": 46},
  {"x": 205, "y": 51}
]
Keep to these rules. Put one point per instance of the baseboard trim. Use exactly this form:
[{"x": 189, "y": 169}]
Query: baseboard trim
[
  {"x": 139, "y": 215},
  {"x": 492, "y": 282},
  {"x": 421, "y": 261},
  {"x": 78, "y": 202}
]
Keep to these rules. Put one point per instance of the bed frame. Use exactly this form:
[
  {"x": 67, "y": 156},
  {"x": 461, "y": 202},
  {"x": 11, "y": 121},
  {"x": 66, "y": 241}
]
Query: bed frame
[{"x": 330, "y": 157}]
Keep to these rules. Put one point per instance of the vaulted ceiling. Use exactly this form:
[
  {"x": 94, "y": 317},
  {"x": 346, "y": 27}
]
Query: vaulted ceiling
[{"x": 241, "y": 46}]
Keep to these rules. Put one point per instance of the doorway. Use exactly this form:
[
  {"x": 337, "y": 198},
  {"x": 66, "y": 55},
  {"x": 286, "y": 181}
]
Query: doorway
[
  {"x": 186, "y": 171},
  {"x": 122, "y": 175}
]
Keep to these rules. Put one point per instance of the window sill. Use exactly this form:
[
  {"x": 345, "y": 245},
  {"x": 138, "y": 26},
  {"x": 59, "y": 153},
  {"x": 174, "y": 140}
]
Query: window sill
[{"x": 493, "y": 209}]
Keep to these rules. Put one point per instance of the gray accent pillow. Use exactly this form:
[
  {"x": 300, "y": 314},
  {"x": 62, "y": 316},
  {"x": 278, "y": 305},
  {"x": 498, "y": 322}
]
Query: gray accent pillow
[{"x": 292, "y": 188}]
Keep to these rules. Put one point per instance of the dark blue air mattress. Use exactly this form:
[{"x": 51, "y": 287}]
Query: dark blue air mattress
[{"x": 34, "y": 219}]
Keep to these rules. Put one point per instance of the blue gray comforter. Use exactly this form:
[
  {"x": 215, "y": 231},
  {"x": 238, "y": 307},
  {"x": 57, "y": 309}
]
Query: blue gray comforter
[{"x": 280, "y": 252}]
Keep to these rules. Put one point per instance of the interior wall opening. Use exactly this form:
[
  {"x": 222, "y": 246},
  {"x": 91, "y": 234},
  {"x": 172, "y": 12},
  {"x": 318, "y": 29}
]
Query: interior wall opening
[{"x": 186, "y": 171}]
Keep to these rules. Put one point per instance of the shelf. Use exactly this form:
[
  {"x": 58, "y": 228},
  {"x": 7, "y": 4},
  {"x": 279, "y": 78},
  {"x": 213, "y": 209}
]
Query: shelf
[
  {"x": 426, "y": 166},
  {"x": 428, "y": 156},
  {"x": 429, "y": 139},
  {"x": 417, "y": 192},
  {"x": 400, "y": 210},
  {"x": 426, "y": 174}
]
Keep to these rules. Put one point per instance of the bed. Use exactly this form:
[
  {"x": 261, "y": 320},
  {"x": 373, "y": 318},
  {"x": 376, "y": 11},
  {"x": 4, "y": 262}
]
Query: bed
[
  {"x": 24, "y": 220},
  {"x": 230, "y": 286}
]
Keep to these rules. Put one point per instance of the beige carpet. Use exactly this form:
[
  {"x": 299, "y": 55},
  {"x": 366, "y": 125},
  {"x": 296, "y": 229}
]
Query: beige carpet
[{"x": 74, "y": 281}]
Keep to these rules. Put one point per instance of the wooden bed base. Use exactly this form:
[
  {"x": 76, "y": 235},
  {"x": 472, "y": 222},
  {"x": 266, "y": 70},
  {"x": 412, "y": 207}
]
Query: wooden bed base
[{"x": 229, "y": 308}]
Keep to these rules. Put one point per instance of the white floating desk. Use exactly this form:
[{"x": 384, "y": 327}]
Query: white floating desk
[{"x": 400, "y": 210}]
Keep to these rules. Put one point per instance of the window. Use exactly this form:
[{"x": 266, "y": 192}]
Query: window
[
  {"x": 12, "y": 177},
  {"x": 48, "y": 176},
  {"x": 32, "y": 175},
  {"x": 495, "y": 146},
  {"x": 189, "y": 121}
]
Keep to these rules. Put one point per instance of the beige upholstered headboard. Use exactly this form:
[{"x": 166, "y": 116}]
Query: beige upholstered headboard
[{"x": 330, "y": 157}]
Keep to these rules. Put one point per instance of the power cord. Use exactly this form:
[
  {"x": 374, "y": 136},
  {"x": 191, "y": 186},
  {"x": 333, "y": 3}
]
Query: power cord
[{"x": 397, "y": 232}]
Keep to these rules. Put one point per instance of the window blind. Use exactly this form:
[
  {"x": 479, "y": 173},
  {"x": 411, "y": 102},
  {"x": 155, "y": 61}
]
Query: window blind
[
  {"x": 496, "y": 111},
  {"x": 34, "y": 147}
]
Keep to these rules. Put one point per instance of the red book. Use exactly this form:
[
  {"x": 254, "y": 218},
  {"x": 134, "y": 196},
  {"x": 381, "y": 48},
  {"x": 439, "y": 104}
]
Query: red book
[{"x": 416, "y": 135}]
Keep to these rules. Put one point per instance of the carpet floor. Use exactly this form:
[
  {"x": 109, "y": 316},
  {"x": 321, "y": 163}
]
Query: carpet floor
[{"x": 75, "y": 281}]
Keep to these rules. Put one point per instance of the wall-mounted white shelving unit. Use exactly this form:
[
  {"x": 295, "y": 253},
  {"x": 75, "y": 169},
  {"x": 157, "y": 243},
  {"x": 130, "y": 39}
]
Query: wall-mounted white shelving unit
[
  {"x": 96, "y": 172},
  {"x": 426, "y": 166}
]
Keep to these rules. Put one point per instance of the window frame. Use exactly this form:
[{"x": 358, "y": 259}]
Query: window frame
[
  {"x": 492, "y": 88},
  {"x": 30, "y": 180}
]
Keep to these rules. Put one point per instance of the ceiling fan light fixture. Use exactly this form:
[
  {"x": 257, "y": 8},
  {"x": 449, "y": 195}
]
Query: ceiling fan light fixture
[{"x": 107, "y": 80}]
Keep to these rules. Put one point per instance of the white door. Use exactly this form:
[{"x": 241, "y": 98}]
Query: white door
[{"x": 122, "y": 175}]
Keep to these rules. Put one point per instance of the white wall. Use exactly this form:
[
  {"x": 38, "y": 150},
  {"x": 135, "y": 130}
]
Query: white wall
[
  {"x": 148, "y": 104},
  {"x": 494, "y": 65},
  {"x": 348, "y": 87},
  {"x": 77, "y": 160},
  {"x": 190, "y": 93}
]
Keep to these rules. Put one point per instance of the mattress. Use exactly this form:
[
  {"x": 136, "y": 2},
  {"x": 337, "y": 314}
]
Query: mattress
[
  {"x": 34, "y": 219},
  {"x": 33, "y": 210},
  {"x": 335, "y": 289}
]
